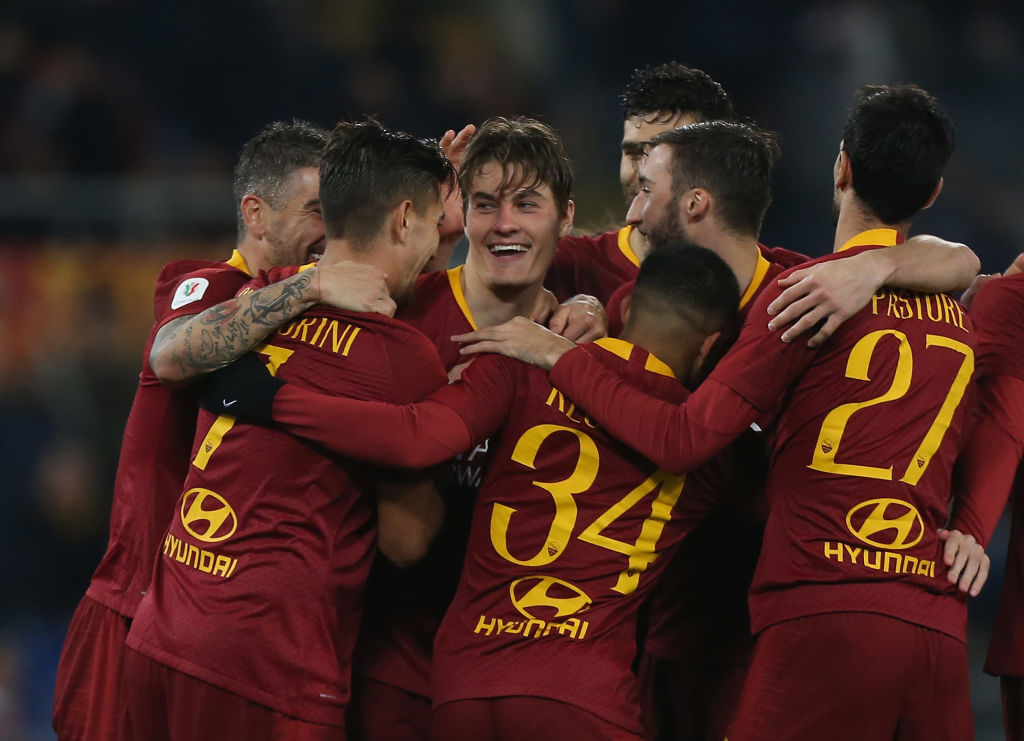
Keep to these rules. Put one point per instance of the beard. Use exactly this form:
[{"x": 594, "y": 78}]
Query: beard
[{"x": 668, "y": 232}]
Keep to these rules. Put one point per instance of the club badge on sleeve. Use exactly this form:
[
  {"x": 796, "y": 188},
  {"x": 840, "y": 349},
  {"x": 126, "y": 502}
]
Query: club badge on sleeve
[{"x": 189, "y": 291}]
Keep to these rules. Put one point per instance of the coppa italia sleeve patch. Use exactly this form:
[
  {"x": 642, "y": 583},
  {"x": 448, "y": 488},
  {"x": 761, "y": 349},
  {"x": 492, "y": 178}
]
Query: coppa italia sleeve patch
[{"x": 189, "y": 291}]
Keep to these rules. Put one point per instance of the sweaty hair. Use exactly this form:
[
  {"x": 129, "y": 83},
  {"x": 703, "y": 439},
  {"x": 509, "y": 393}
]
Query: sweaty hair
[
  {"x": 733, "y": 161},
  {"x": 898, "y": 140},
  {"x": 689, "y": 282},
  {"x": 671, "y": 89},
  {"x": 530, "y": 153},
  {"x": 270, "y": 158},
  {"x": 368, "y": 169}
]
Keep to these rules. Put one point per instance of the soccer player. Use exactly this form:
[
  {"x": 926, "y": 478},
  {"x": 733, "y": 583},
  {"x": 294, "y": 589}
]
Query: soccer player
[
  {"x": 570, "y": 529},
  {"x": 279, "y": 223},
  {"x": 860, "y": 630},
  {"x": 656, "y": 99},
  {"x": 989, "y": 471},
  {"x": 516, "y": 183},
  {"x": 249, "y": 624}
]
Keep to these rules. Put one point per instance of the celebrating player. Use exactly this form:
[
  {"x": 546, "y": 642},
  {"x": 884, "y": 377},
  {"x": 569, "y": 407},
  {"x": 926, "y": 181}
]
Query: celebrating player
[{"x": 248, "y": 627}]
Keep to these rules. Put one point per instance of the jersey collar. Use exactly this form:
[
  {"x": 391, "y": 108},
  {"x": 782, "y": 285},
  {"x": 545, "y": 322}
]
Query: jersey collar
[
  {"x": 624, "y": 350},
  {"x": 874, "y": 237},
  {"x": 760, "y": 271},
  {"x": 455, "y": 279},
  {"x": 624, "y": 245},
  {"x": 238, "y": 262}
]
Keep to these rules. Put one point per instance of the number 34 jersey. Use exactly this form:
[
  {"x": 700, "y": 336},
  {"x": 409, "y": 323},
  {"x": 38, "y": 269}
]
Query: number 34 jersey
[{"x": 570, "y": 531}]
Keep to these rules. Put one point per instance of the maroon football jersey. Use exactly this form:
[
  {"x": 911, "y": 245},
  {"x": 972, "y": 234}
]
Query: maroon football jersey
[
  {"x": 570, "y": 529},
  {"x": 990, "y": 468},
  {"x": 856, "y": 492},
  {"x": 157, "y": 439},
  {"x": 259, "y": 585},
  {"x": 596, "y": 266},
  {"x": 699, "y": 607}
]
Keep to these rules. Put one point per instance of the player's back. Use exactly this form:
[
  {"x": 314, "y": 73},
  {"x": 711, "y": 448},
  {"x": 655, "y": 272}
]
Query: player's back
[
  {"x": 258, "y": 589},
  {"x": 862, "y": 449},
  {"x": 570, "y": 532}
]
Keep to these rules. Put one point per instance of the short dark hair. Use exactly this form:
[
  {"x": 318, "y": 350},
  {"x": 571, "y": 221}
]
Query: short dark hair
[
  {"x": 898, "y": 140},
  {"x": 368, "y": 169},
  {"x": 672, "y": 89},
  {"x": 270, "y": 158},
  {"x": 732, "y": 160},
  {"x": 691, "y": 282},
  {"x": 528, "y": 150}
]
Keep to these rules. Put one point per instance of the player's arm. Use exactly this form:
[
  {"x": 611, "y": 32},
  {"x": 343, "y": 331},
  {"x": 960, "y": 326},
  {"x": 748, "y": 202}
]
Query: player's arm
[
  {"x": 833, "y": 291},
  {"x": 676, "y": 437},
  {"x": 418, "y": 435},
  {"x": 188, "y": 346},
  {"x": 409, "y": 516},
  {"x": 989, "y": 462}
]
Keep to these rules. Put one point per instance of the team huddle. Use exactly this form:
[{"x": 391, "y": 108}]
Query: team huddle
[{"x": 664, "y": 482}]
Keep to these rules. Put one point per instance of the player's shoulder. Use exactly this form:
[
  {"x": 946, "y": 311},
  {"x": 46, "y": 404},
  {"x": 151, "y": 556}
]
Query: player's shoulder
[
  {"x": 781, "y": 256},
  {"x": 273, "y": 275},
  {"x": 637, "y": 367},
  {"x": 185, "y": 282},
  {"x": 590, "y": 242}
]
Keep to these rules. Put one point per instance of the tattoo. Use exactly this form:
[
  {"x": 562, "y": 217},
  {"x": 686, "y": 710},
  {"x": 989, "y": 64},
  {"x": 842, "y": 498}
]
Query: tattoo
[{"x": 222, "y": 333}]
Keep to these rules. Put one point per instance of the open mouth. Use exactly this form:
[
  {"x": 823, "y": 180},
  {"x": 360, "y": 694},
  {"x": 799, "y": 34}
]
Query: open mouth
[
  {"x": 316, "y": 252},
  {"x": 507, "y": 250}
]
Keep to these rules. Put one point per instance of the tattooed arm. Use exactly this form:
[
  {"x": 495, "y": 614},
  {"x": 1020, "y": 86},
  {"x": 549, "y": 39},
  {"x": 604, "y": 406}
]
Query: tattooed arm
[{"x": 189, "y": 346}]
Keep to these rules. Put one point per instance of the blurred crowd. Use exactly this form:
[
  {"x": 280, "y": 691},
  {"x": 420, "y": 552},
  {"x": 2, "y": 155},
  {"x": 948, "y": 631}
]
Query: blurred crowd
[{"x": 120, "y": 122}]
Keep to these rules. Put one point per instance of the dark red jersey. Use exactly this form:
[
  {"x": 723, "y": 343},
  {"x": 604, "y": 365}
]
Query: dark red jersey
[
  {"x": 405, "y": 606},
  {"x": 699, "y": 608},
  {"x": 596, "y": 265},
  {"x": 989, "y": 470},
  {"x": 258, "y": 588},
  {"x": 570, "y": 529},
  {"x": 864, "y": 434},
  {"x": 157, "y": 439}
]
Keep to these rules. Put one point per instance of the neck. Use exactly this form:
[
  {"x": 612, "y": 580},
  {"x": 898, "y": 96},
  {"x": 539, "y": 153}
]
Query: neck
[
  {"x": 490, "y": 306},
  {"x": 739, "y": 251},
  {"x": 854, "y": 218},
  {"x": 256, "y": 254},
  {"x": 662, "y": 341}
]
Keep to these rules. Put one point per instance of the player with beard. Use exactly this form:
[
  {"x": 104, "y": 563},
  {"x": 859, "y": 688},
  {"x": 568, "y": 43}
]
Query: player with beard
[
  {"x": 656, "y": 99},
  {"x": 248, "y": 627},
  {"x": 279, "y": 223},
  {"x": 860, "y": 627}
]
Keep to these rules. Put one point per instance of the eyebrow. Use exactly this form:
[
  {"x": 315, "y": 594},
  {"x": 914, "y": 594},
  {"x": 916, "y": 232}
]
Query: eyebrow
[
  {"x": 633, "y": 146},
  {"x": 311, "y": 202}
]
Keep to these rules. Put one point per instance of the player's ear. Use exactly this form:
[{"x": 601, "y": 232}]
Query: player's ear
[
  {"x": 253, "y": 213},
  {"x": 935, "y": 194},
  {"x": 696, "y": 204},
  {"x": 565, "y": 225},
  {"x": 842, "y": 176},
  {"x": 624, "y": 308},
  {"x": 400, "y": 220},
  {"x": 698, "y": 371}
]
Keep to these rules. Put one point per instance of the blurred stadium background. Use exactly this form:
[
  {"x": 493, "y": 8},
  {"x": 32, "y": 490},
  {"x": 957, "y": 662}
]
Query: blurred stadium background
[{"x": 120, "y": 122}]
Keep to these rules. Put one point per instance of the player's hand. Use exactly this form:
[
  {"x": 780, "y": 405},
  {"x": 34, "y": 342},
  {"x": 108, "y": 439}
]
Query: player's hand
[
  {"x": 966, "y": 561},
  {"x": 245, "y": 389},
  {"x": 454, "y": 145},
  {"x": 518, "y": 338},
  {"x": 972, "y": 290},
  {"x": 829, "y": 292},
  {"x": 580, "y": 319},
  {"x": 543, "y": 307},
  {"x": 354, "y": 286}
]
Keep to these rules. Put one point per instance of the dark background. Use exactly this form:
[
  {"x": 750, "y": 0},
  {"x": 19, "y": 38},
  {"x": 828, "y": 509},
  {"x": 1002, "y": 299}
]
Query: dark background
[{"x": 120, "y": 122}]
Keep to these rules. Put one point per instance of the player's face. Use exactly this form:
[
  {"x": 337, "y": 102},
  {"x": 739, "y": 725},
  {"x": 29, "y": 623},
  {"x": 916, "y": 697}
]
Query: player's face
[
  {"x": 295, "y": 231},
  {"x": 421, "y": 244},
  {"x": 655, "y": 209},
  {"x": 513, "y": 228},
  {"x": 636, "y": 132},
  {"x": 452, "y": 229}
]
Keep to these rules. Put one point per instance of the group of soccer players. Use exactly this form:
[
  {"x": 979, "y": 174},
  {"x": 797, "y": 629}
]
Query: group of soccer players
[{"x": 381, "y": 527}]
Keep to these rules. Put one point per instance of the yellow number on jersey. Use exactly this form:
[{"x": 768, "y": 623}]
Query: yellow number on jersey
[
  {"x": 832, "y": 428},
  {"x": 640, "y": 554},
  {"x": 276, "y": 357}
]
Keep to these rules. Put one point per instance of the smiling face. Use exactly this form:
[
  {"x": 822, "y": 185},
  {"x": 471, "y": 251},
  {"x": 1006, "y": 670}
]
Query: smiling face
[
  {"x": 295, "y": 231},
  {"x": 655, "y": 210},
  {"x": 513, "y": 226}
]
